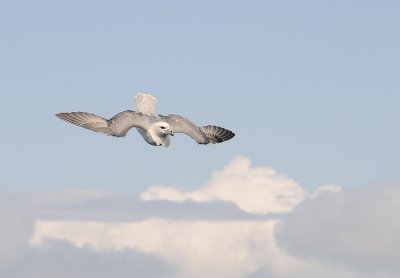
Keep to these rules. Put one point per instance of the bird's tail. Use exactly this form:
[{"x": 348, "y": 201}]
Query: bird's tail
[{"x": 146, "y": 104}]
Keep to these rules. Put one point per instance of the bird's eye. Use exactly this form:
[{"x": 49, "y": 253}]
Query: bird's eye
[{"x": 163, "y": 127}]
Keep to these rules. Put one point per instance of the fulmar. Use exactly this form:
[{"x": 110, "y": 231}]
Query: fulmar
[{"x": 155, "y": 129}]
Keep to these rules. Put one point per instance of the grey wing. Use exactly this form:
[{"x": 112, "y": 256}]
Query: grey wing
[
  {"x": 118, "y": 126},
  {"x": 202, "y": 135}
]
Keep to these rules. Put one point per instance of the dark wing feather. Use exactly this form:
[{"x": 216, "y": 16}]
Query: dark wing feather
[
  {"x": 118, "y": 126},
  {"x": 217, "y": 134},
  {"x": 203, "y": 135}
]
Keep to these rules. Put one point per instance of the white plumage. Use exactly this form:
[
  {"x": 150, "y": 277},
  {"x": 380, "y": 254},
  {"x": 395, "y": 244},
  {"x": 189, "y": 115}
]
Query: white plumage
[{"x": 155, "y": 130}]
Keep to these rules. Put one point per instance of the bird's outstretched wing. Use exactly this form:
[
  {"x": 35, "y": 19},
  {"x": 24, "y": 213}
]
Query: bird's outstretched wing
[
  {"x": 118, "y": 126},
  {"x": 210, "y": 134}
]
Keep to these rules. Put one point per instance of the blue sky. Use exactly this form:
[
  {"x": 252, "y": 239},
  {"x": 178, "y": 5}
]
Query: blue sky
[
  {"x": 307, "y": 186},
  {"x": 311, "y": 89}
]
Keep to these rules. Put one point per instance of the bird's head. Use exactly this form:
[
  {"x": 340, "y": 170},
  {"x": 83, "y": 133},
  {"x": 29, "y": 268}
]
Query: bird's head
[{"x": 164, "y": 129}]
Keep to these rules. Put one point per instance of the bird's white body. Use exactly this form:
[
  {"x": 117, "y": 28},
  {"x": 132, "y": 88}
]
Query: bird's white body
[
  {"x": 154, "y": 136},
  {"x": 158, "y": 134}
]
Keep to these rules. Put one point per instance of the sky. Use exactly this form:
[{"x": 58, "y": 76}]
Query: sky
[{"x": 308, "y": 187}]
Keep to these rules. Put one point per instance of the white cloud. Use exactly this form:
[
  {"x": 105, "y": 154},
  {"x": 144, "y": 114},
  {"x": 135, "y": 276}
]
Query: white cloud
[
  {"x": 254, "y": 190},
  {"x": 217, "y": 248},
  {"x": 62, "y": 260},
  {"x": 199, "y": 248},
  {"x": 18, "y": 259},
  {"x": 169, "y": 233},
  {"x": 325, "y": 189}
]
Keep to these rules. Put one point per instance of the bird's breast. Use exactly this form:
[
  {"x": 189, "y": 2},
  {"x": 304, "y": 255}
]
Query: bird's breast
[{"x": 147, "y": 136}]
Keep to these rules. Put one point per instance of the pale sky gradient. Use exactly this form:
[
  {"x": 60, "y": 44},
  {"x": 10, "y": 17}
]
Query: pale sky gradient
[
  {"x": 310, "y": 88},
  {"x": 309, "y": 187}
]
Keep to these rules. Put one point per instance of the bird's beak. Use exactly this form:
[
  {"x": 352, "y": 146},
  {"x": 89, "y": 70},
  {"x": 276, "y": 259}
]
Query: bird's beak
[{"x": 171, "y": 132}]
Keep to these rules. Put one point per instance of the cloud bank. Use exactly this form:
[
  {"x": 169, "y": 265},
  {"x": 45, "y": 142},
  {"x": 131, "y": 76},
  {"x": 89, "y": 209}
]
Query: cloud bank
[
  {"x": 254, "y": 190},
  {"x": 244, "y": 222},
  {"x": 358, "y": 228}
]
